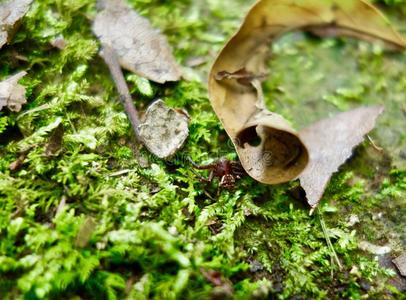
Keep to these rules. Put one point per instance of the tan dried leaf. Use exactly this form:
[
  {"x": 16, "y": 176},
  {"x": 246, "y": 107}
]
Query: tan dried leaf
[
  {"x": 11, "y": 12},
  {"x": 139, "y": 47},
  {"x": 12, "y": 94},
  {"x": 270, "y": 150},
  {"x": 330, "y": 143}
]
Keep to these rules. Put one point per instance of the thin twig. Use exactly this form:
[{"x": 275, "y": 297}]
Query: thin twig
[
  {"x": 376, "y": 147},
  {"x": 330, "y": 245},
  {"x": 110, "y": 58}
]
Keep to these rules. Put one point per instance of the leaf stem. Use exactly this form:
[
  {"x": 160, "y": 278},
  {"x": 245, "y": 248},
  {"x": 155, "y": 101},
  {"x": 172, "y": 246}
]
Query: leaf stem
[{"x": 110, "y": 58}]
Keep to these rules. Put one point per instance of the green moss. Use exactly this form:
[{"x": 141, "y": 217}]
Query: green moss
[{"x": 158, "y": 228}]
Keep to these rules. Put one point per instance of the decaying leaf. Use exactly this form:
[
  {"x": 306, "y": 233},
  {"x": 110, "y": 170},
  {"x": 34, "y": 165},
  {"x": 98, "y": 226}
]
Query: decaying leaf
[
  {"x": 54, "y": 144},
  {"x": 400, "y": 263},
  {"x": 11, "y": 11},
  {"x": 270, "y": 150},
  {"x": 164, "y": 130},
  {"x": 140, "y": 48},
  {"x": 330, "y": 143},
  {"x": 12, "y": 94}
]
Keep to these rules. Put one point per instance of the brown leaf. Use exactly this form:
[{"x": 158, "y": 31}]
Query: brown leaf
[
  {"x": 11, "y": 12},
  {"x": 12, "y": 94},
  {"x": 54, "y": 144},
  {"x": 140, "y": 48},
  {"x": 218, "y": 280},
  {"x": 18, "y": 163},
  {"x": 270, "y": 150},
  {"x": 330, "y": 143}
]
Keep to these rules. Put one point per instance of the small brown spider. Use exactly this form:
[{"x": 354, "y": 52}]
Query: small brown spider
[{"x": 227, "y": 171}]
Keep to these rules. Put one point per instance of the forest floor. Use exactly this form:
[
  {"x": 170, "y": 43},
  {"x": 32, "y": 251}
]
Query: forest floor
[{"x": 95, "y": 219}]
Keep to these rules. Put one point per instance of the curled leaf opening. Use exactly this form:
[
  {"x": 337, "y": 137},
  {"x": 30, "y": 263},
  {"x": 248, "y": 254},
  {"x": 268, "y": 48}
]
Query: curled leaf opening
[{"x": 269, "y": 148}]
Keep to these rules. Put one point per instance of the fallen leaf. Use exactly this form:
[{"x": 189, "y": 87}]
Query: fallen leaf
[
  {"x": 11, "y": 12},
  {"x": 139, "y": 47},
  {"x": 330, "y": 143},
  {"x": 270, "y": 150},
  {"x": 54, "y": 144},
  {"x": 400, "y": 263},
  {"x": 12, "y": 94},
  {"x": 164, "y": 130}
]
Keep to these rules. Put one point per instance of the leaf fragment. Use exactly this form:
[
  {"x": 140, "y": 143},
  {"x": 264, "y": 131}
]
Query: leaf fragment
[
  {"x": 139, "y": 47},
  {"x": 330, "y": 143},
  {"x": 85, "y": 232},
  {"x": 270, "y": 150},
  {"x": 400, "y": 263},
  {"x": 164, "y": 130},
  {"x": 54, "y": 145},
  {"x": 11, "y": 11},
  {"x": 12, "y": 94}
]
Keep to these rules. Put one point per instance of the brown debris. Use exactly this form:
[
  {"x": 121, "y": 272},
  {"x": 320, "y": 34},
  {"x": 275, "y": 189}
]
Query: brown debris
[
  {"x": 12, "y": 94},
  {"x": 139, "y": 47},
  {"x": 18, "y": 163},
  {"x": 54, "y": 144},
  {"x": 11, "y": 11},
  {"x": 224, "y": 286},
  {"x": 330, "y": 143}
]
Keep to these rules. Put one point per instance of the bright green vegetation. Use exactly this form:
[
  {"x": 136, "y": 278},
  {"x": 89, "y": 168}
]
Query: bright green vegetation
[{"x": 87, "y": 219}]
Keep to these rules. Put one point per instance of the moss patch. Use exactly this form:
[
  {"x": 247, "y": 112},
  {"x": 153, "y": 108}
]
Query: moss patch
[{"x": 156, "y": 229}]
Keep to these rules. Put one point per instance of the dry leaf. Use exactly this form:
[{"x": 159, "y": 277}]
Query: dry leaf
[
  {"x": 400, "y": 263},
  {"x": 140, "y": 48},
  {"x": 12, "y": 94},
  {"x": 270, "y": 150},
  {"x": 54, "y": 145},
  {"x": 330, "y": 143},
  {"x": 164, "y": 130},
  {"x": 11, "y": 12}
]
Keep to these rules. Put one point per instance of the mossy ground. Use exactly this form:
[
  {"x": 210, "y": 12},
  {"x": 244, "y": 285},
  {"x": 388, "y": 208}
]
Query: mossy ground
[{"x": 90, "y": 222}]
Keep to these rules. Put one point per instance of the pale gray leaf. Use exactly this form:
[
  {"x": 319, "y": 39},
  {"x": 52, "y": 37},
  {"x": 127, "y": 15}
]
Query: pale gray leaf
[
  {"x": 164, "y": 130},
  {"x": 139, "y": 47},
  {"x": 12, "y": 94},
  {"x": 330, "y": 143},
  {"x": 11, "y": 11}
]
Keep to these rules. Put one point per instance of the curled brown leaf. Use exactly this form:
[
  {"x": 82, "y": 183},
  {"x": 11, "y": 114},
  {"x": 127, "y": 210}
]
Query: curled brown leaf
[{"x": 270, "y": 150}]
